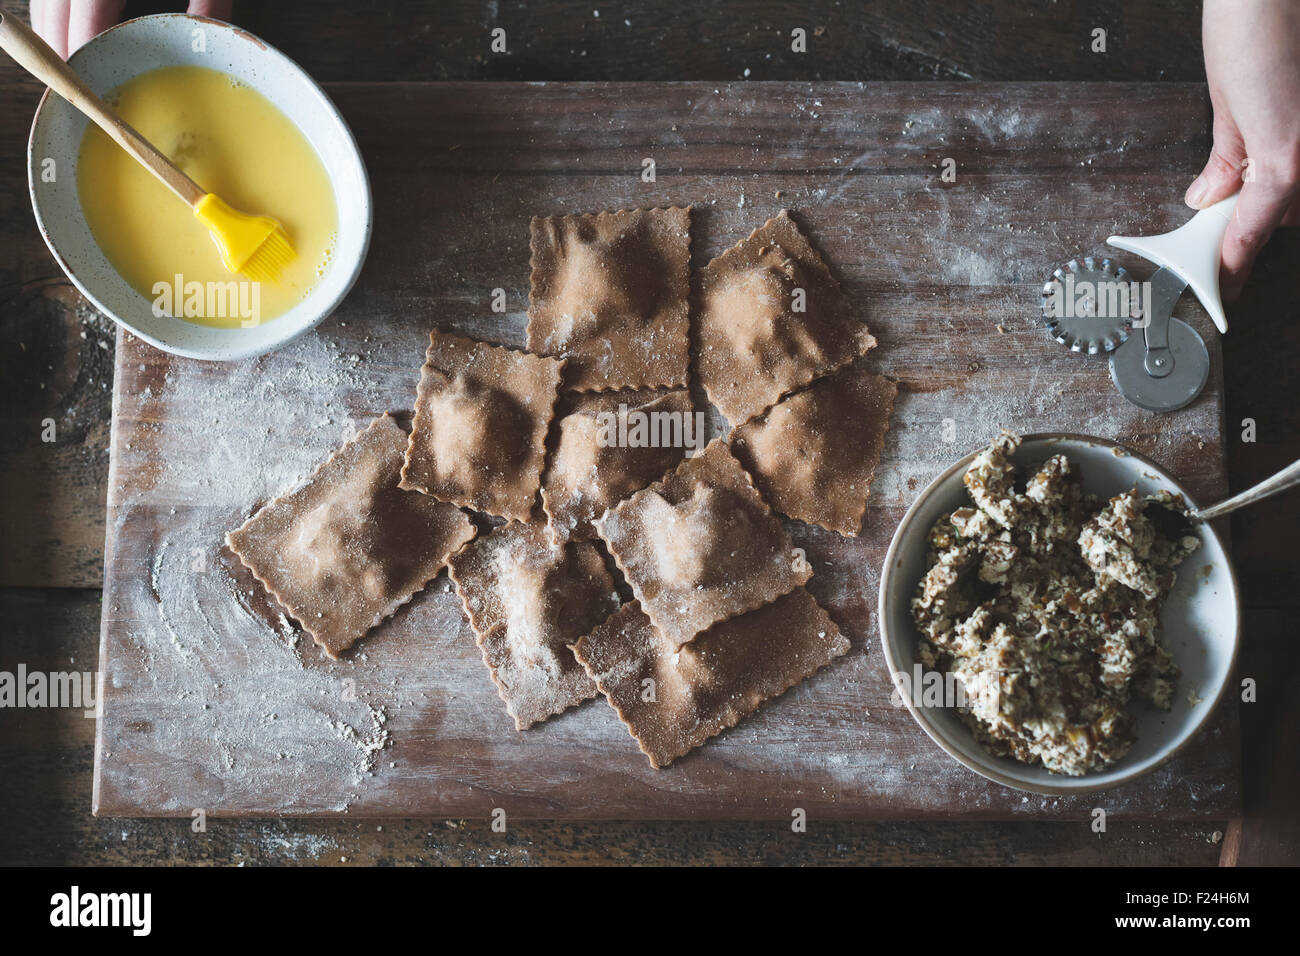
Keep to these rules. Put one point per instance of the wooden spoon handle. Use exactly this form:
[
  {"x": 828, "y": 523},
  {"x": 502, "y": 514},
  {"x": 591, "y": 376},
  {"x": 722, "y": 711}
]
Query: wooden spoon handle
[{"x": 35, "y": 56}]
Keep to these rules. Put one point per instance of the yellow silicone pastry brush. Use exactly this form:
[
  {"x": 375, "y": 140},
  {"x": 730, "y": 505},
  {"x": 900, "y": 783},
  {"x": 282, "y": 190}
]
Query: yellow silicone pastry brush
[{"x": 253, "y": 245}]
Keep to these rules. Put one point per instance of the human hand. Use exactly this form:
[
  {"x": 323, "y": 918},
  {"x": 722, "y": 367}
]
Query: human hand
[
  {"x": 1252, "y": 63},
  {"x": 67, "y": 24}
]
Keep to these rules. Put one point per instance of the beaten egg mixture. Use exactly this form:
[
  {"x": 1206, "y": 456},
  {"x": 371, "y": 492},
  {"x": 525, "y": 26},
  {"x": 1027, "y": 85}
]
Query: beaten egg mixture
[
  {"x": 232, "y": 141},
  {"x": 1046, "y": 607}
]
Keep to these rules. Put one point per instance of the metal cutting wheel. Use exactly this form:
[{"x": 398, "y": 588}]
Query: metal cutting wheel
[
  {"x": 1080, "y": 322},
  {"x": 1157, "y": 362}
]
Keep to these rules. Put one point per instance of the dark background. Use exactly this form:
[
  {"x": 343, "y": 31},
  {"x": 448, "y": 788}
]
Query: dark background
[{"x": 57, "y": 361}]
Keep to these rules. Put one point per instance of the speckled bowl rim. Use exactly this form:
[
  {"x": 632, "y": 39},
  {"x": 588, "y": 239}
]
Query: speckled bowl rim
[
  {"x": 234, "y": 350},
  {"x": 990, "y": 770}
]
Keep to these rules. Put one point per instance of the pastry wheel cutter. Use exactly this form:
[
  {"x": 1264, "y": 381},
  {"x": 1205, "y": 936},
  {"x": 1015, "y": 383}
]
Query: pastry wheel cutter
[{"x": 1157, "y": 362}]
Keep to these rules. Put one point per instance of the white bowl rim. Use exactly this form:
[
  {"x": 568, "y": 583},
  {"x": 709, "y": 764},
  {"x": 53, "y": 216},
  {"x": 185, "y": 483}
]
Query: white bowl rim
[
  {"x": 989, "y": 771},
  {"x": 233, "y": 352}
]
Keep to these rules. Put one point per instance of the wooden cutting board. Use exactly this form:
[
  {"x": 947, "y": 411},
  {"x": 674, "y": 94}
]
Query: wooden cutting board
[{"x": 214, "y": 702}]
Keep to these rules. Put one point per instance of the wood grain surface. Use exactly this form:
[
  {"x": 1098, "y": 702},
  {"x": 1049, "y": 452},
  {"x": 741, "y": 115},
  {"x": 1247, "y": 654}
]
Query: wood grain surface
[
  {"x": 866, "y": 40},
  {"x": 206, "y": 706},
  {"x": 46, "y": 790},
  {"x": 60, "y": 365}
]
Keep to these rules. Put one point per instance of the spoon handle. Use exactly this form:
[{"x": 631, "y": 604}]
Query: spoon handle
[{"x": 1286, "y": 478}]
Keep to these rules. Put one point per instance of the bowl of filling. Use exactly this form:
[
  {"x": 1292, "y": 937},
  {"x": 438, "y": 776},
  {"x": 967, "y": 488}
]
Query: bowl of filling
[
  {"x": 243, "y": 121},
  {"x": 1052, "y": 617}
]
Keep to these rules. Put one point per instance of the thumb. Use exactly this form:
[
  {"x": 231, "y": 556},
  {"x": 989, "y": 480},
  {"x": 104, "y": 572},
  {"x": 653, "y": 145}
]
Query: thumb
[
  {"x": 1221, "y": 176},
  {"x": 1260, "y": 209}
]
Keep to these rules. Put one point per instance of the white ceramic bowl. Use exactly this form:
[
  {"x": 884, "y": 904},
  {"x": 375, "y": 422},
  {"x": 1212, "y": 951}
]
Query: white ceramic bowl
[
  {"x": 147, "y": 43},
  {"x": 1200, "y": 621}
]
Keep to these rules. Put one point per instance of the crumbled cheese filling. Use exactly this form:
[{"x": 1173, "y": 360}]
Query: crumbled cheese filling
[{"x": 1045, "y": 605}]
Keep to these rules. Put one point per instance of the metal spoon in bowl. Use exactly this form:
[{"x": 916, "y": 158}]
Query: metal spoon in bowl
[{"x": 1286, "y": 478}]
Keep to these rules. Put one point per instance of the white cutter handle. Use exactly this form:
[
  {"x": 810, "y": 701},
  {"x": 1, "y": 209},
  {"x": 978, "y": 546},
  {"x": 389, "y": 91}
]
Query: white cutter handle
[{"x": 1192, "y": 250}]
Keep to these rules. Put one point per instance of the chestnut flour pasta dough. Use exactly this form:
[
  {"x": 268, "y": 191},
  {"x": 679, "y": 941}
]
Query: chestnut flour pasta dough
[
  {"x": 708, "y": 685},
  {"x": 609, "y": 293},
  {"x": 813, "y": 454},
  {"x": 772, "y": 318},
  {"x": 527, "y": 601},
  {"x": 590, "y": 471},
  {"x": 348, "y": 548},
  {"x": 481, "y": 416},
  {"x": 701, "y": 546}
]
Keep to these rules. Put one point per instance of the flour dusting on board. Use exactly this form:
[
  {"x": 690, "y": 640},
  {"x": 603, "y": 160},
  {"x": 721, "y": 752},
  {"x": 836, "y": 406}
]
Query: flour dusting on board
[
  {"x": 271, "y": 715},
  {"x": 216, "y": 700}
]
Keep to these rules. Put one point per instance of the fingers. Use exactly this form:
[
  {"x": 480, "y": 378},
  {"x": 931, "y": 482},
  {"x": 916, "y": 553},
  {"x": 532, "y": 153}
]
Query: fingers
[
  {"x": 1221, "y": 176},
  {"x": 65, "y": 26},
  {"x": 217, "y": 9},
  {"x": 1261, "y": 208},
  {"x": 50, "y": 21},
  {"x": 88, "y": 20}
]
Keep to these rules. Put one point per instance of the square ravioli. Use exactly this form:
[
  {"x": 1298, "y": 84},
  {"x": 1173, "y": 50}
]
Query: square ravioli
[
  {"x": 609, "y": 445},
  {"x": 813, "y": 454},
  {"x": 727, "y": 672},
  {"x": 349, "y": 547},
  {"x": 610, "y": 293},
  {"x": 481, "y": 416},
  {"x": 701, "y": 546},
  {"x": 772, "y": 318},
  {"x": 527, "y": 602}
]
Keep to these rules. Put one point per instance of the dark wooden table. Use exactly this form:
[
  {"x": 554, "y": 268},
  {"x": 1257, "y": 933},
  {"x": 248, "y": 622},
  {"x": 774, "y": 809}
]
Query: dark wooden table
[{"x": 58, "y": 362}]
